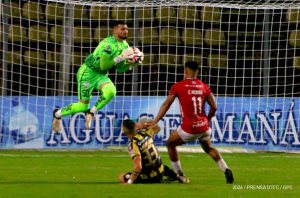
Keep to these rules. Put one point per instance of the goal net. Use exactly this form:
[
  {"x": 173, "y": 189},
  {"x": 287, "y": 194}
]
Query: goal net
[{"x": 249, "y": 52}]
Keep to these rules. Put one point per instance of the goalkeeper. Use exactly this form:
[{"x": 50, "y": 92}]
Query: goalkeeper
[{"x": 113, "y": 51}]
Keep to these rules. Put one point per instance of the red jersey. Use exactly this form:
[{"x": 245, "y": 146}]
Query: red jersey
[{"x": 192, "y": 94}]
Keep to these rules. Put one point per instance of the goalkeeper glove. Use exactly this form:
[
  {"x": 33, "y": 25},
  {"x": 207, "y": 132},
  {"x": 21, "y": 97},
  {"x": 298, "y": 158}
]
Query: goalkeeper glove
[
  {"x": 137, "y": 57},
  {"x": 126, "y": 54}
]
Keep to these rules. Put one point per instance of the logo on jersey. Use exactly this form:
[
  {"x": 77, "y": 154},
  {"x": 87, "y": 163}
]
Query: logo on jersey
[
  {"x": 107, "y": 49},
  {"x": 198, "y": 86},
  {"x": 86, "y": 85},
  {"x": 199, "y": 124}
]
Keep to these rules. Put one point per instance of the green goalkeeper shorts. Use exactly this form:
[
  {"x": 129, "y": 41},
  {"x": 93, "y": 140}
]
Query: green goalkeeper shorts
[{"x": 88, "y": 80}]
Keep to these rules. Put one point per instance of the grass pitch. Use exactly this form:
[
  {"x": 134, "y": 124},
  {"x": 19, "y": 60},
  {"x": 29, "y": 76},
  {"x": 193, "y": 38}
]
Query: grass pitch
[{"x": 94, "y": 174}]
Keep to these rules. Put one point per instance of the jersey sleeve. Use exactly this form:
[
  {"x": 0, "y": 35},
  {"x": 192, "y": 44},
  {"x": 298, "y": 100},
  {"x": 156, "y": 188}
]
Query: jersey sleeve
[
  {"x": 109, "y": 53},
  {"x": 173, "y": 90},
  {"x": 123, "y": 66},
  {"x": 102, "y": 58},
  {"x": 150, "y": 132},
  {"x": 207, "y": 90},
  {"x": 106, "y": 54},
  {"x": 133, "y": 150}
]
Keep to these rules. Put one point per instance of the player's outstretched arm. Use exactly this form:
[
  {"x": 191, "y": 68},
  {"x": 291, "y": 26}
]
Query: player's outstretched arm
[{"x": 163, "y": 109}]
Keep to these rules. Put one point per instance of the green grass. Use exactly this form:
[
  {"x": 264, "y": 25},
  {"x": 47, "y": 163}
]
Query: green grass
[{"x": 94, "y": 174}]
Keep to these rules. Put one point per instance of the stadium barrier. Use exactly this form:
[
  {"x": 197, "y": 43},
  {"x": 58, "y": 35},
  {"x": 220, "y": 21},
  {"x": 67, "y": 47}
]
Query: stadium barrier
[{"x": 26, "y": 123}]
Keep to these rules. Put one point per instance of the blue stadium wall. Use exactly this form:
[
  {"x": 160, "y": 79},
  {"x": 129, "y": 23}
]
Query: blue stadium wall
[{"x": 251, "y": 122}]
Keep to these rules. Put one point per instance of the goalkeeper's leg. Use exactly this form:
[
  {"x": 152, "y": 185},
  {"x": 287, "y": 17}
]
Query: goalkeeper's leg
[
  {"x": 77, "y": 107},
  {"x": 86, "y": 80},
  {"x": 108, "y": 91}
]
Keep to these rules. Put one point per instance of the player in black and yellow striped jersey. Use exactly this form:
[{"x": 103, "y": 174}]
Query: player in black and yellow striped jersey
[{"x": 148, "y": 166}]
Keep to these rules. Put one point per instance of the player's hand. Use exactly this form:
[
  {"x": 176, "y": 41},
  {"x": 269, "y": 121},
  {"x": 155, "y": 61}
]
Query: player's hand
[
  {"x": 144, "y": 125},
  {"x": 136, "y": 57},
  {"x": 130, "y": 61},
  {"x": 126, "y": 54},
  {"x": 150, "y": 123},
  {"x": 140, "y": 126}
]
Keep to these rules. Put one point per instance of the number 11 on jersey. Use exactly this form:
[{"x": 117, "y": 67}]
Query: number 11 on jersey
[{"x": 197, "y": 102}]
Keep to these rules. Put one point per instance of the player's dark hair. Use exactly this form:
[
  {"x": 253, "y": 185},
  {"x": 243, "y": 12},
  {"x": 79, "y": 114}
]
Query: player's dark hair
[
  {"x": 117, "y": 22},
  {"x": 129, "y": 124},
  {"x": 193, "y": 65}
]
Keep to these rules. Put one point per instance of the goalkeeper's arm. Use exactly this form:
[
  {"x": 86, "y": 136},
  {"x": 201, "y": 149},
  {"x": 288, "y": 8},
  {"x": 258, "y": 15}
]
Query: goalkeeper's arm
[
  {"x": 126, "y": 54},
  {"x": 124, "y": 66},
  {"x": 108, "y": 57},
  {"x": 132, "y": 59},
  {"x": 122, "y": 61}
]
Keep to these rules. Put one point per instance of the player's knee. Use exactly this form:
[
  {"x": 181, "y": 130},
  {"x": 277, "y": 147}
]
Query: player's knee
[
  {"x": 174, "y": 140},
  {"x": 170, "y": 143},
  {"x": 110, "y": 91},
  {"x": 84, "y": 106}
]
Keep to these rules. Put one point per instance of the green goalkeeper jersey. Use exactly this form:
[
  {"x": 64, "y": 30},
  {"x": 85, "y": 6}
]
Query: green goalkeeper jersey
[{"x": 102, "y": 59}]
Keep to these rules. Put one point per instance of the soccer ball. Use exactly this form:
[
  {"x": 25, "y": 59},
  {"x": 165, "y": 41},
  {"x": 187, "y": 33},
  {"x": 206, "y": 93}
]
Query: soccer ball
[{"x": 137, "y": 56}]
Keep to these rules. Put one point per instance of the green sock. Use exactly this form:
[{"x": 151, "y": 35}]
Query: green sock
[
  {"x": 108, "y": 92},
  {"x": 74, "y": 108}
]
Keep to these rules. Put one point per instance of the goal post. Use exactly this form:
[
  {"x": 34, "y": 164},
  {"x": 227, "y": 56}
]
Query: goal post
[{"x": 248, "y": 52}]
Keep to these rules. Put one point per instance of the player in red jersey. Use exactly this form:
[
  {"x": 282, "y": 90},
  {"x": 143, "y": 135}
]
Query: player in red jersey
[{"x": 192, "y": 94}]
